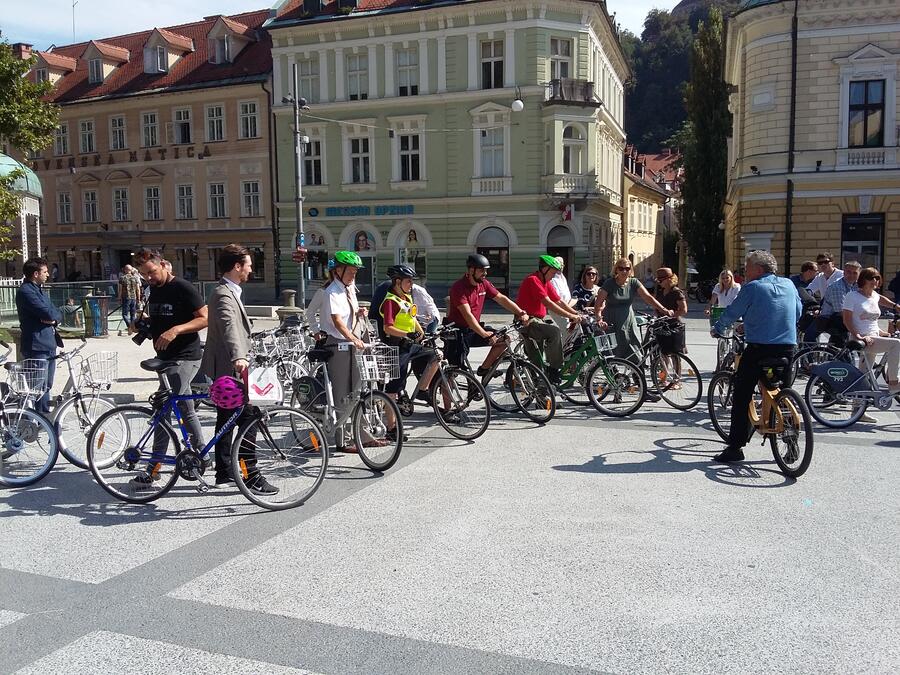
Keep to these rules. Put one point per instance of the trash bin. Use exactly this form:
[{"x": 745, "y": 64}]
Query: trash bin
[{"x": 96, "y": 315}]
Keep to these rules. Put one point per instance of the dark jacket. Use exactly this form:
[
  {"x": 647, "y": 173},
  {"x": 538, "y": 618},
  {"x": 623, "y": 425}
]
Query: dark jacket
[{"x": 33, "y": 307}]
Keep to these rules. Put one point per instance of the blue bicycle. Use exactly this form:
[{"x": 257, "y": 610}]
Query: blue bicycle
[{"x": 278, "y": 457}]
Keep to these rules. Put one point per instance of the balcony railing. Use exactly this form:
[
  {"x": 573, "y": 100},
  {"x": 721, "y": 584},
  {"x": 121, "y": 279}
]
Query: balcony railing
[
  {"x": 568, "y": 183},
  {"x": 572, "y": 92},
  {"x": 494, "y": 185},
  {"x": 866, "y": 158}
]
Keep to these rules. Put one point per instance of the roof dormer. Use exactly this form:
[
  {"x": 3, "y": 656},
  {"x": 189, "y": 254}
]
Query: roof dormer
[
  {"x": 227, "y": 38},
  {"x": 164, "y": 49},
  {"x": 103, "y": 59},
  {"x": 53, "y": 67}
]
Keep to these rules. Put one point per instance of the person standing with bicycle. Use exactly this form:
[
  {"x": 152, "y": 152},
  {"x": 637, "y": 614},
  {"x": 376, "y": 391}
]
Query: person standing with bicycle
[
  {"x": 38, "y": 319},
  {"x": 770, "y": 307}
]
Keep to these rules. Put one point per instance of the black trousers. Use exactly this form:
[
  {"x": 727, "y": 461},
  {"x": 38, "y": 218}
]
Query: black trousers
[
  {"x": 745, "y": 381},
  {"x": 223, "y": 446}
]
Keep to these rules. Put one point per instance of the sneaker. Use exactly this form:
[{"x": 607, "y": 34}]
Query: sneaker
[
  {"x": 391, "y": 435},
  {"x": 867, "y": 418},
  {"x": 729, "y": 455},
  {"x": 143, "y": 481},
  {"x": 260, "y": 486},
  {"x": 482, "y": 371},
  {"x": 554, "y": 376},
  {"x": 224, "y": 480},
  {"x": 423, "y": 397}
]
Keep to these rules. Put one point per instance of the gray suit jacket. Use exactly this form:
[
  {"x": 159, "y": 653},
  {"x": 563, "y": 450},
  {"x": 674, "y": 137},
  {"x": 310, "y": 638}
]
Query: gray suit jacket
[{"x": 228, "y": 335}]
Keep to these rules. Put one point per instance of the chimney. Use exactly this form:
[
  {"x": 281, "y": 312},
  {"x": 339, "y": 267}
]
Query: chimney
[{"x": 22, "y": 51}]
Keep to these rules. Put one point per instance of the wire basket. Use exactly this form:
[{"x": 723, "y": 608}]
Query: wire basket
[
  {"x": 606, "y": 342},
  {"x": 291, "y": 343},
  {"x": 379, "y": 363},
  {"x": 28, "y": 377},
  {"x": 100, "y": 369}
]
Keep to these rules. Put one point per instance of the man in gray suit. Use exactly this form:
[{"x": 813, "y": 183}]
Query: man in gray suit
[{"x": 227, "y": 352}]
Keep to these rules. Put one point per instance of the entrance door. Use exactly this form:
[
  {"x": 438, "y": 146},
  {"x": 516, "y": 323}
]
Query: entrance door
[
  {"x": 493, "y": 244},
  {"x": 561, "y": 243}
]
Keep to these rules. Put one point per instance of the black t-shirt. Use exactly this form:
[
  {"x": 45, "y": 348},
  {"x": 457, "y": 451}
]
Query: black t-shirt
[{"x": 172, "y": 305}]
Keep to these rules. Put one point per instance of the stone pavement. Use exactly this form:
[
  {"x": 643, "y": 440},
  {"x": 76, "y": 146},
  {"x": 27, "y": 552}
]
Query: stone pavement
[{"x": 591, "y": 544}]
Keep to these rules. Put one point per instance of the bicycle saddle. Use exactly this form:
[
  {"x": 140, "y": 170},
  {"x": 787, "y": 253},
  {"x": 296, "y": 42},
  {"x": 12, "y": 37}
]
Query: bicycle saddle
[
  {"x": 319, "y": 355},
  {"x": 158, "y": 365},
  {"x": 855, "y": 345}
]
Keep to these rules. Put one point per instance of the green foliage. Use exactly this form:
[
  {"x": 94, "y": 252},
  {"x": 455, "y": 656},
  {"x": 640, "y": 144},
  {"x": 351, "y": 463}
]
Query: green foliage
[{"x": 703, "y": 142}]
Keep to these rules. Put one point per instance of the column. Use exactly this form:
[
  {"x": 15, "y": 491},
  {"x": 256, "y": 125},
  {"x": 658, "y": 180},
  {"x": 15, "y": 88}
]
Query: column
[
  {"x": 473, "y": 62},
  {"x": 509, "y": 59},
  {"x": 423, "y": 67},
  {"x": 323, "y": 76},
  {"x": 37, "y": 234},
  {"x": 340, "y": 91},
  {"x": 277, "y": 88},
  {"x": 292, "y": 59},
  {"x": 389, "y": 88},
  {"x": 373, "y": 73},
  {"x": 442, "y": 64},
  {"x": 23, "y": 217}
]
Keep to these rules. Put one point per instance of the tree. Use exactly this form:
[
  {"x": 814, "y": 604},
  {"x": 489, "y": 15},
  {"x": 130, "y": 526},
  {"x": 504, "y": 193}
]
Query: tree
[{"x": 703, "y": 141}]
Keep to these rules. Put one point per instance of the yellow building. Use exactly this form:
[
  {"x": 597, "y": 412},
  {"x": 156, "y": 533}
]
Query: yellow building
[
  {"x": 642, "y": 222},
  {"x": 813, "y": 161}
]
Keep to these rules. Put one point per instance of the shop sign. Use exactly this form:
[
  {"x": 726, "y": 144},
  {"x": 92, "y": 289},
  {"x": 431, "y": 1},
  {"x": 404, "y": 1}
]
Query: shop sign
[{"x": 379, "y": 210}]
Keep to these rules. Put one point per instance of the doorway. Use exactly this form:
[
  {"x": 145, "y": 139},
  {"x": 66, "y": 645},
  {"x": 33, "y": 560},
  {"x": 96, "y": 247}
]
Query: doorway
[
  {"x": 561, "y": 243},
  {"x": 493, "y": 244}
]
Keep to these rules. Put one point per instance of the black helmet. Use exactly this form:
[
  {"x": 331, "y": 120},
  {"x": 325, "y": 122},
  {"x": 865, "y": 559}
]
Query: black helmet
[
  {"x": 478, "y": 260},
  {"x": 402, "y": 272}
]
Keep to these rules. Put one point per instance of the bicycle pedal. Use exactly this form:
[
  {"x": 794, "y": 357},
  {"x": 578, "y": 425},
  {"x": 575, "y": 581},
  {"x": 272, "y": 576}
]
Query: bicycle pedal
[{"x": 202, "y": 487}]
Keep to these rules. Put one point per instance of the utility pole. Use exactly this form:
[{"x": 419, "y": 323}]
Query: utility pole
[
  {"x": 300, "y": 243},
  {"x": 74, "y": 2}
]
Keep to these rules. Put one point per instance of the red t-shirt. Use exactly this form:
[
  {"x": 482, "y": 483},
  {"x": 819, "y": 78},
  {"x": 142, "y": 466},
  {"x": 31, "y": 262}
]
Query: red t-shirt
[
  {"x": 532, "y": 293},
  {"x": 462, "y": 292}
]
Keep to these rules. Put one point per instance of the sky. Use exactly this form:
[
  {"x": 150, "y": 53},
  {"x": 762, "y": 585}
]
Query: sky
[{"x": 46, "y": 22}]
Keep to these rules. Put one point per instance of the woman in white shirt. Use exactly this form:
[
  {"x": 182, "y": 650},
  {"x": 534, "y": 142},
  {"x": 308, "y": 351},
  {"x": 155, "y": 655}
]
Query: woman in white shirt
[
  {"x": 724, "y": 292},
  {"x": 862, "y": 309},
  {"x": 561, "y": 284}
]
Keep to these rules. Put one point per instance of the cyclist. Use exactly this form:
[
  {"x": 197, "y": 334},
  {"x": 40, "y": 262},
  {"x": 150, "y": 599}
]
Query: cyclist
[
  {"x": 401, "y": 329},
  {"x": 536, "y": 296},
  {"x": 467, "y": 296},
  {"x": 770, "y": 307}
]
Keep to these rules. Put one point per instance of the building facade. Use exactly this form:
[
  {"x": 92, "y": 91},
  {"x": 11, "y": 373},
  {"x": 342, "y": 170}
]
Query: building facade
[
  {"x": 164, "y": 143},
  {"x": 439, "y": 130},
  {"x": 643, "y": 225},
  {"x": 813, "y": 155}
]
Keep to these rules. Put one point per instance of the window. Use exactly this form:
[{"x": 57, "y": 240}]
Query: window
[
  {"x": 64, "y": 207},
  {"x": 359, "y": 160},
  {"x": 150, "y": 130},
  {"x": 182, "y": 125},
  {"x": 358, "y": 77},
  {"x": 61, "y": 140},
  {"x": 41, "y": 75},
  {"x": 250, "y": 199},
  {"x": 91, "y": 209},
  {"x": 560, "y": 58},
  {"x": 217, "y": 200},
  {"x": 492, "y": 153},
  {"x": 862, "y": 239},
  {"x": 152, "y": 210},
  {"x": 407, "y": 72},
  {"x": 249, "y": 121},
  {"x": 87, "y": 136},
  {"x": 410, "y": 157},
  {"x": 312, "y": 164},
  {"x": 117, "y": 134},
  {"x": 162, "y": 59},
  {"x": 220, "y": 50},
  {"x": 866, "y": 114},
  {"x": 258, "y": 255},
  {"x": 308, "y": 77},
  {"x": 492, "y": 64},
  {"x": 95, "y": 71},
  {"x": 184, "y": 203},
  {"x": 120, "y": 204},
  {"x": 574, "y": 150},
  {"x": 215, "y": 123}
]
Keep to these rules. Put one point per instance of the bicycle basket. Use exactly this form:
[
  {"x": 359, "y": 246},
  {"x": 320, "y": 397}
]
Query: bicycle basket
[
  {"x": 291, "y": 342},
  {"x": 28, "y": 377},
  {"x": 101, "y": 368},
  {"x": 379, "y": 363},
  {"x": 715, "y": 313},
  {"x": 606, "y": 342}
]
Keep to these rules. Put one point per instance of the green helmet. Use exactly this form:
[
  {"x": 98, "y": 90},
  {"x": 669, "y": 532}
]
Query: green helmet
[
  {"x": 549, "y": 261},
  {"x": 348, "y": 258}
]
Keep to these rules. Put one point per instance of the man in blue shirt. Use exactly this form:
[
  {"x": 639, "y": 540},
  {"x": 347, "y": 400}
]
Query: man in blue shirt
[
  {"x": 770, "y": 307},
  {"x": 37, "y": 319}
]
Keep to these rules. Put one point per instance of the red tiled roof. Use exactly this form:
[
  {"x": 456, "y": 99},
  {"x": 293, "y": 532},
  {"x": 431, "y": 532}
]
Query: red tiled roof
[
  {"x": 662, "y": 164},
  {"x": 295, "y": 9},
  {"x": 239, "y": 28},
  {"x": 111, "y": 52},
  {"x": 193, "y": 69},
  {"x": 176, "y": 40},
  {"x": 58, "y": 61}
]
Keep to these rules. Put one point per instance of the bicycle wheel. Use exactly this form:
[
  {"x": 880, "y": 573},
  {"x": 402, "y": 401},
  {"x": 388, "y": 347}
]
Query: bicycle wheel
[
  {"x": 793, "y": 445},
  {"x": 286, "y": 448},
  {"x": 122, "y": 457},
  {"x": 718, "y": 402},
  {"x": 677, "y": 380},
  {"x": 460, "y": 403},
  {"x": 616, "y": 387},
  {"x": 73, "y": 420},
  {"x": 531, "y": 391},
  {"x": 498, "y": 392},
  {"x": 577, "y": 392},
  {"x": 29, "y": 448},
  {"x": 831, "y": 408},
  {"x": 723, "y": 346},
  {"x": 803, "y": 361},
  {"x": 377, "y": 430}
]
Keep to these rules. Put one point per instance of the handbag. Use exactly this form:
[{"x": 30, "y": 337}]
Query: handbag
[{"x": 264, "y": 388}]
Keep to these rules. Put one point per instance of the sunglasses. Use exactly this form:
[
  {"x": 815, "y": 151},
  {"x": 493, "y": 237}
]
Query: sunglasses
[
  {"x": 623, "y": 269},
  {"x": 822, "y": 262},
  {"x": 590, "y": 274}
]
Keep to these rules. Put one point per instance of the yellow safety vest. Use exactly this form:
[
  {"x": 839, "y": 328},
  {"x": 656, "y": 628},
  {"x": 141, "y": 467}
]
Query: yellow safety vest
[{"x": 405, "y": 318}]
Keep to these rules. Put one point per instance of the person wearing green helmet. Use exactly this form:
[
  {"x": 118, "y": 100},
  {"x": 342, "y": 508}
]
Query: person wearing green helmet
[{"x": 536, "y": 296}]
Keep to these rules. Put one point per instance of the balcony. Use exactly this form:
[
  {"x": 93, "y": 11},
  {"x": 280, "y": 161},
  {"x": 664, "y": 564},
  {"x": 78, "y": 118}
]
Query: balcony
[
  {"x": 564, "y": 183},
  {"x": 494, "y": 185},
  {"x": 567, "y": 91},
  {"x": 860, "y": 159}
]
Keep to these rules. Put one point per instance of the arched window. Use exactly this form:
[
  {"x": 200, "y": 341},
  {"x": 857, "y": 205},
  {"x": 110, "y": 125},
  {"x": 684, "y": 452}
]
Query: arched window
[
  {"x": 493, "y": 244},
  {"x": 574, "y": 150}
]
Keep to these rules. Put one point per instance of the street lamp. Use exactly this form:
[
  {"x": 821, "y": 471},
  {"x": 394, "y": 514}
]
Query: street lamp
[
  {"x": 518, "y": 105},
  {"x": 299, "y": 104}
]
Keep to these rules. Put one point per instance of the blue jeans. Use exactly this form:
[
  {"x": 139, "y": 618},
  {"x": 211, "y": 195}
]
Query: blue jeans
[
  {"x": 129, "y": 311},
  {"x": 42, "y": 405}
]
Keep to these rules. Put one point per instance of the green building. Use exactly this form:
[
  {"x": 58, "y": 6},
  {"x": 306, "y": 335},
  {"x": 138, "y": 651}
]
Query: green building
[{"x": 441, "y": 128}]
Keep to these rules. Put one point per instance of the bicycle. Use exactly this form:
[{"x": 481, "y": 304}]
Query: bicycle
[
  {"x": 777, "y": 412},
  {"x": 372, "y": 414},
  {"x": 28, "y": 445},
  {"x": 458, "y": 399},
  {"x": 674, "y": 376},
  {"x": 135, "y": 455}
]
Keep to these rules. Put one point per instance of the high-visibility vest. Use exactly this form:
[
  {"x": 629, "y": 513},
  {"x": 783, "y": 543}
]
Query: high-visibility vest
[{"x": 404, "y": 319}]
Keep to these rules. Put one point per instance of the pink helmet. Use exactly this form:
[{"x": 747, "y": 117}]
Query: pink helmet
[{"x": 227, "y": 392}]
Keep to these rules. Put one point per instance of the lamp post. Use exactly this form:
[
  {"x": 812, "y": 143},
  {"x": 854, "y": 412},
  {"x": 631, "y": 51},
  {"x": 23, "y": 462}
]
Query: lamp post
[{"x": 300, "y": 240}]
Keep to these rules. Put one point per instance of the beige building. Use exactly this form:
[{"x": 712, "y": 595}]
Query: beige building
[
  {"x": 813, "y": 161},
  {"x": 163, "y": 142},
  {"x": 642, "y": 222}
]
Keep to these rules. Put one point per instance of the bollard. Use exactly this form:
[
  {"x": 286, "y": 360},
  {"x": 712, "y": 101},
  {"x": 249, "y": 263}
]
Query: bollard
[{"x": 289, "y": 305}]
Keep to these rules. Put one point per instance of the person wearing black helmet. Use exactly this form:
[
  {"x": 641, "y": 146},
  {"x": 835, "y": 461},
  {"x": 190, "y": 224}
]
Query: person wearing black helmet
[{"x": 467, "y": 298}]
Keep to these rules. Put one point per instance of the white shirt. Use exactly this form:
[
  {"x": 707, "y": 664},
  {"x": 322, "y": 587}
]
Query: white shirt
[
  {"x": 820, "y": 283},
  {"x": 562, "y": 287},
  {"x": 340, "y": 300},
  {"x": 234, "y": 288},
  {"x": 313, "y": 309},
  {"x": 866, "y": 312},
  {"x": 727, "y": 297},
  {"x": 425, "y": 304}
]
